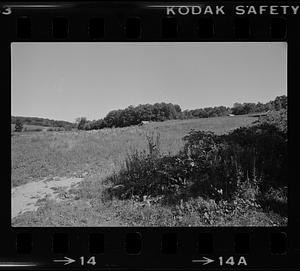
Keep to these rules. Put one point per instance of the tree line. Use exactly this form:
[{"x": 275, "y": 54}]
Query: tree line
[
  {"x": 168, "y": 111},
  {"x": 133, "y": 115},
  {"x": 279, "y": 103},
  {"x": 42, "y": 122}
]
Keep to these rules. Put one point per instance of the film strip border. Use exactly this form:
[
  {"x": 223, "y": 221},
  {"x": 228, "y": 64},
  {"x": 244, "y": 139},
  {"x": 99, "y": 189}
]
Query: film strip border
[
  {"x": 128, "y": 247},
  {"x": 143, "y": 21},
  {"x": 150, "y": 247},
  {"x": 136, "y": 29},
  {"x": 169, "y": 243}
]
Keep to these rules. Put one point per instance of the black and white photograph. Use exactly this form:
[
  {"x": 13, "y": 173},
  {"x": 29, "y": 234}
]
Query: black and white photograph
[{"x": 149, "y": 134}]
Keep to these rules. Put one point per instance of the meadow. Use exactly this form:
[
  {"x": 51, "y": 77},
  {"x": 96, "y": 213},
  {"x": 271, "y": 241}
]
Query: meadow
[{"x": 97, "y": 155}]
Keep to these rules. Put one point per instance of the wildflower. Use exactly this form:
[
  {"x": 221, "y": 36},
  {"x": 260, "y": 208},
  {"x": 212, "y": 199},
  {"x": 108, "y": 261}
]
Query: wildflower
[{"x": 220, "y": 191}]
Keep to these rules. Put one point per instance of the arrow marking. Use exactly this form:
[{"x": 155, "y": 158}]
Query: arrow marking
[
  {"x": 205, "y": 261},
  {"x": 66, "y": 260}
]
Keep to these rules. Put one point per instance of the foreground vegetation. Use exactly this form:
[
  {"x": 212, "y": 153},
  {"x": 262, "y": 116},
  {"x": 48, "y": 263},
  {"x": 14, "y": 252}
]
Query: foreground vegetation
[{"x": 219, "y": 175}]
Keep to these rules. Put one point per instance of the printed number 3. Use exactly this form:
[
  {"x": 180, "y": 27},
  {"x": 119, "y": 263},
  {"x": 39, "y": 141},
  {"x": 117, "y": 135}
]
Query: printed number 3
[{"x": 6, "y": 11}]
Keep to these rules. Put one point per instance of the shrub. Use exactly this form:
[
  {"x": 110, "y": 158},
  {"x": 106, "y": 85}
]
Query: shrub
[
  {"x": 256, "y": 153},
  {"x": 237, "y": 168},
  {"x": 18, "y": 126},
  {"x": 262, "y": 153},
  {"x": 214, "y": 171},
  {"x": 150, "y": 174},
  {"x": 275, "y": 199},
  {"x": 81, "y": 122},
  {"x": 277, "y": 118}
]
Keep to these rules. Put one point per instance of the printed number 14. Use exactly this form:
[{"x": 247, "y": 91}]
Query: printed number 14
[{"x": 91, "y": 261}]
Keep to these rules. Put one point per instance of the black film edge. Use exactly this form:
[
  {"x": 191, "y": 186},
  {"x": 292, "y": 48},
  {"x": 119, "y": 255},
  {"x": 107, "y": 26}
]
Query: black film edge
[{"x": 190, "y": 202}]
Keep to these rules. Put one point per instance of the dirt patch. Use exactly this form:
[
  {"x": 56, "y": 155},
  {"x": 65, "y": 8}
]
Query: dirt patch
[{"x": 28, "y": 197}]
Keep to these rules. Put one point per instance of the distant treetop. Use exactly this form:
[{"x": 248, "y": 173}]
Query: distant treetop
[{"x": 42, "y": 122}]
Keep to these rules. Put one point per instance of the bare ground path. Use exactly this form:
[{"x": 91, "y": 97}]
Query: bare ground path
[
  {"x": 27, "y": 197},
  {"x": 54, "y": 202}
]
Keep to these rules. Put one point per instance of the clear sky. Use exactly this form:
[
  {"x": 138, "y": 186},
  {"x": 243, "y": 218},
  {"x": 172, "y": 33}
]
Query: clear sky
[{"x": 64, "y": 81}]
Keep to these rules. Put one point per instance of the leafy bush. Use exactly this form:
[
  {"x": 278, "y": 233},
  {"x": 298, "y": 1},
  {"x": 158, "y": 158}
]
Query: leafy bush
[
  {"x": 263, "y": 153},
  {"x": 214, "y": 172},
  {"x": 236, "y": 168},
  {"x": 257, "y": 153},
  {"x": 18, "y": 126},
  {"x": 275, "y": 199},
  {"x": 150, "y": 174},
  {"x": 277, "y": 118}
]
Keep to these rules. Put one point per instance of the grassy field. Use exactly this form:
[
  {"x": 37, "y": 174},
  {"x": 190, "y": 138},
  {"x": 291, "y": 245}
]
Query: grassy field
[
  {"x": 97, "y": 154},
  {"x": 38, "y": 155}
]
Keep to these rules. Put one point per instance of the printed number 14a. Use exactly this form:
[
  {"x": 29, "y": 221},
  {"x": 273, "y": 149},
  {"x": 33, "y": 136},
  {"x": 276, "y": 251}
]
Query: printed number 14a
[{"x": 231, "y": 261}]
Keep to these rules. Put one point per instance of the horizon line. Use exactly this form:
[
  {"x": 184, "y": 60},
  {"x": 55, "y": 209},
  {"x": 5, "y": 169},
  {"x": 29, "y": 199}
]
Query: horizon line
[{"x": 138, "y": 105}]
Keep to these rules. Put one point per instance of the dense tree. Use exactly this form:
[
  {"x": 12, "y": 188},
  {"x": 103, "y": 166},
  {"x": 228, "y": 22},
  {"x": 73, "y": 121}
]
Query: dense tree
[
  {"x": 81, "y": 123},
  {"x": 237, "y": 109},
  {"x": 18, "y": 126},
  {"x": 143, "y": 112},
  {"x": 280, "y": 102},
  {"x": 245, "y": 108},
  {"x": 97, "y": 124}
]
